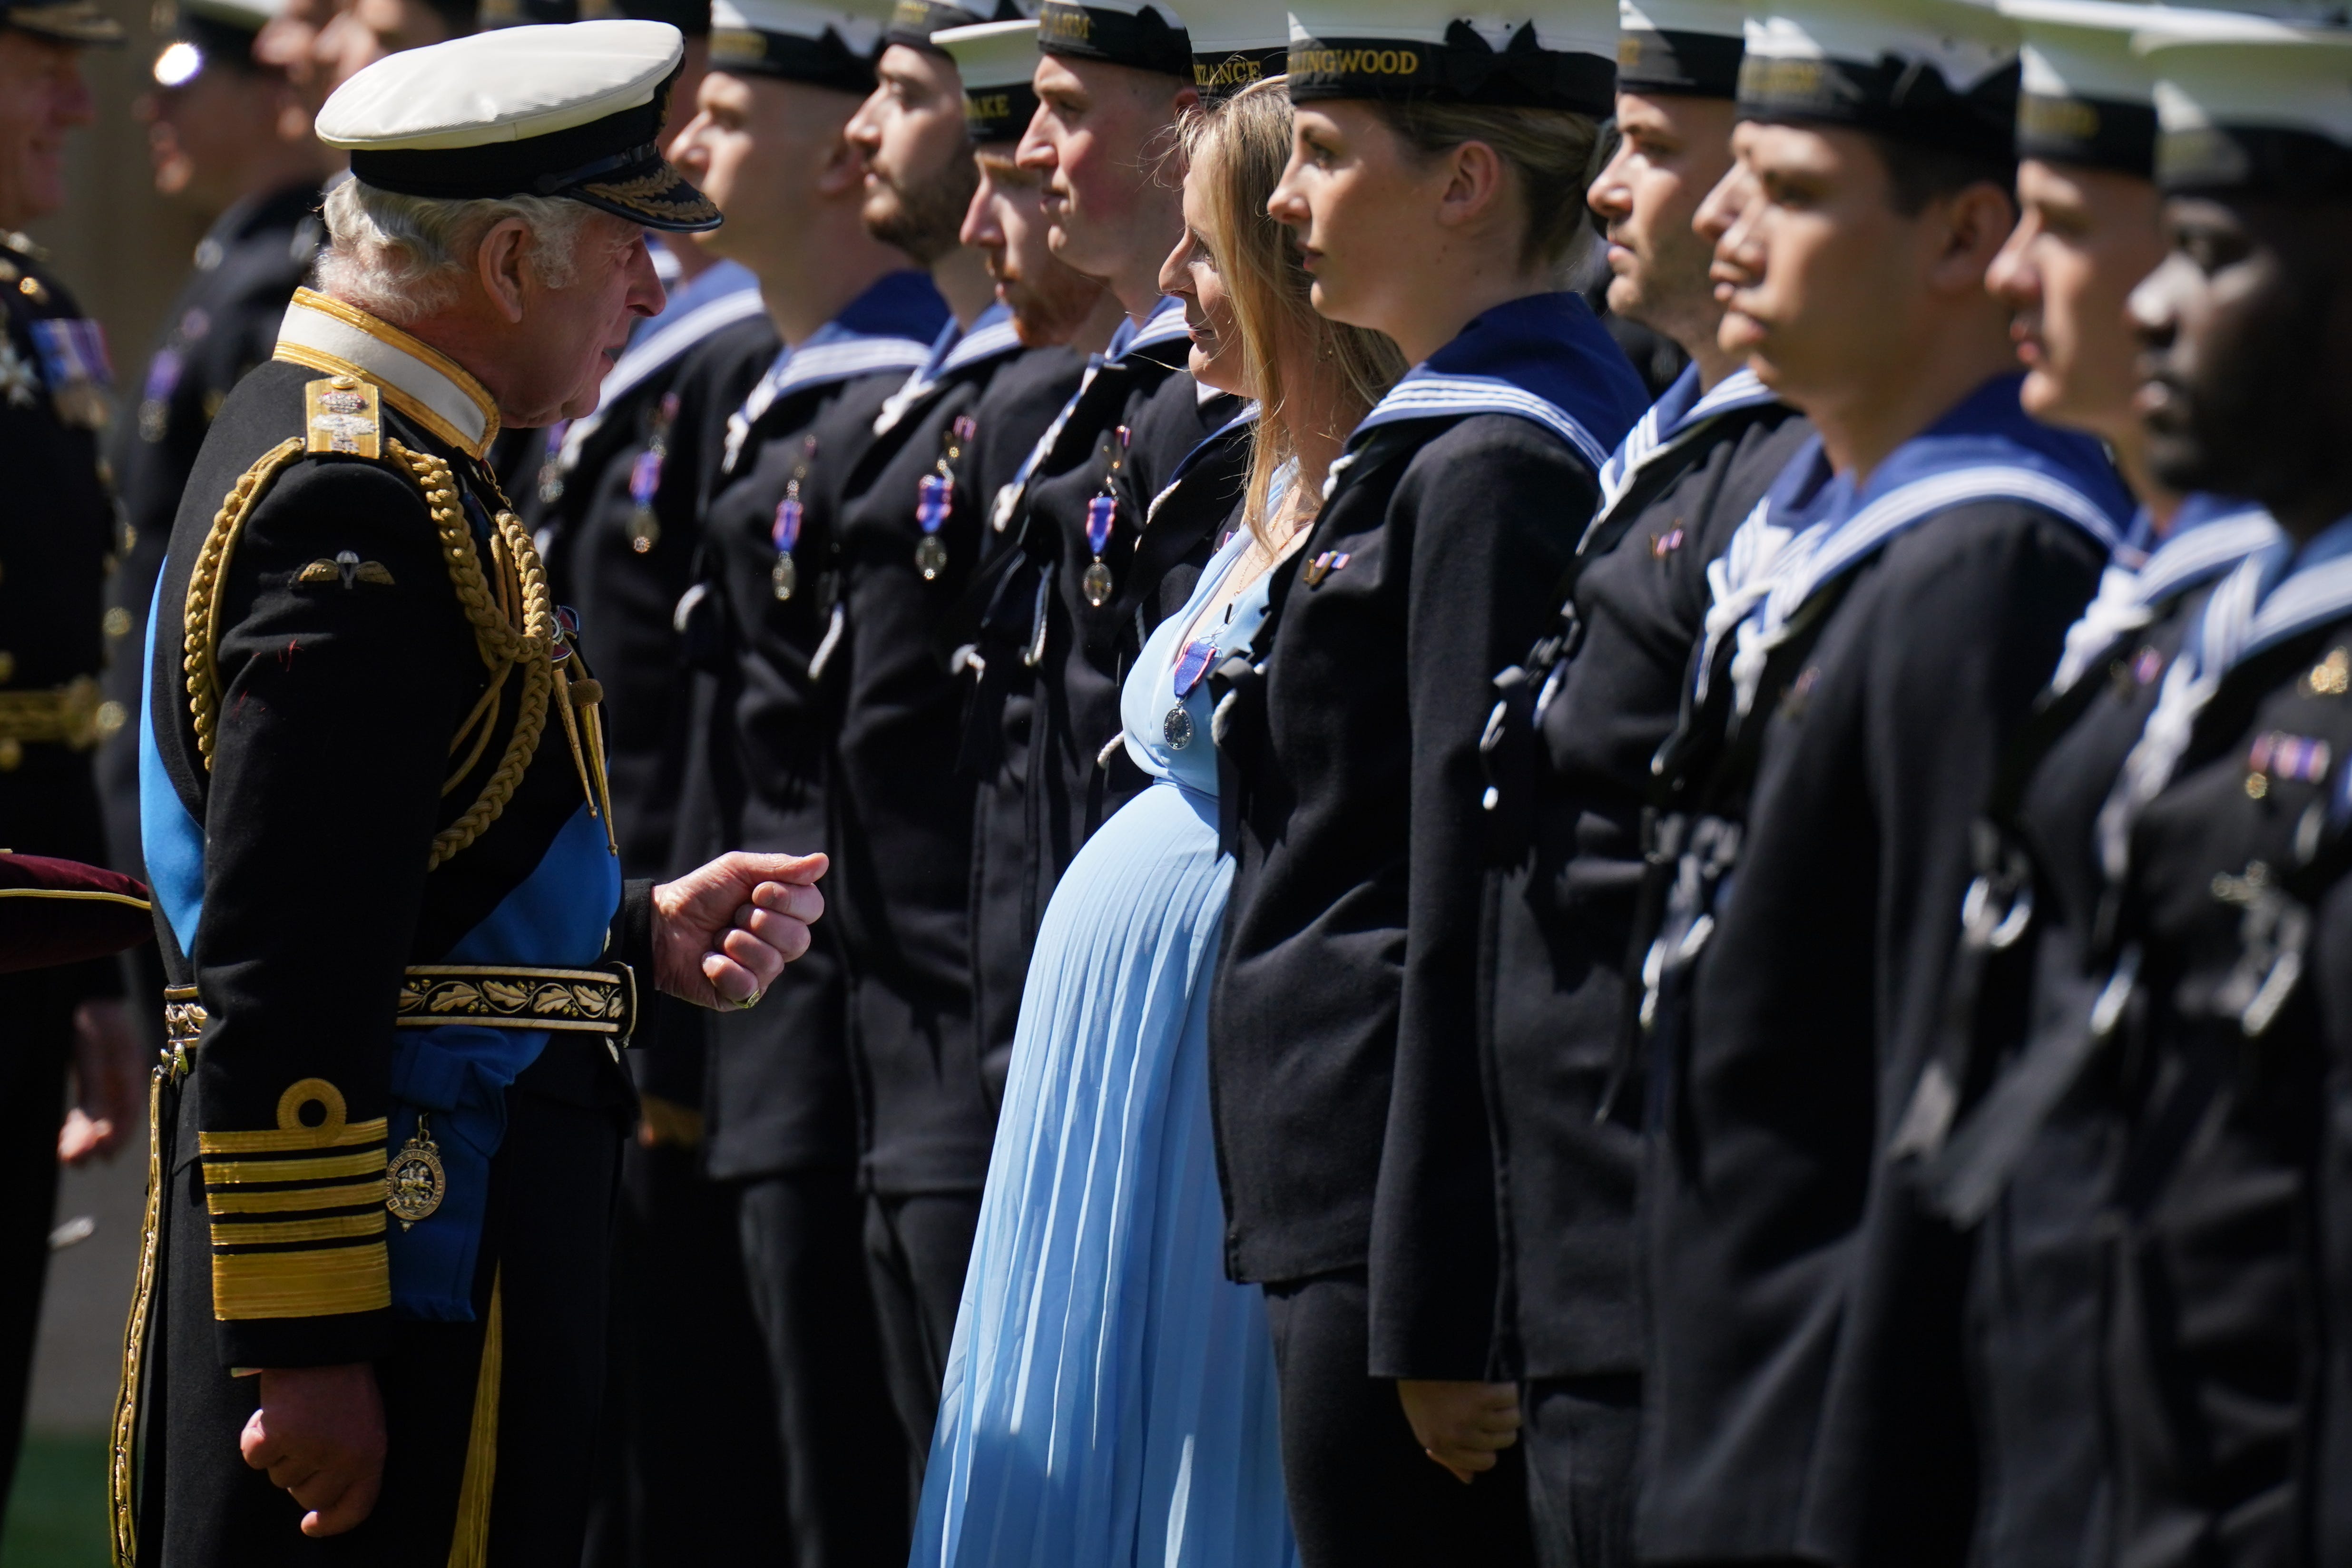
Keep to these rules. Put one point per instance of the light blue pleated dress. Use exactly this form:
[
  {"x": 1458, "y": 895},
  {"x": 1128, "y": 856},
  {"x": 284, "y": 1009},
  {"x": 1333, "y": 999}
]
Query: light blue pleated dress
[{"x": 1110, "y": 1394}]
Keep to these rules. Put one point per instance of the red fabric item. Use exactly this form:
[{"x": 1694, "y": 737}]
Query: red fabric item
[{"x": 62, "y": 911}]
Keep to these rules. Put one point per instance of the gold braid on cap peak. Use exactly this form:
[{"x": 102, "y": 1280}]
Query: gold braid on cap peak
[{"x": 511, "y": 628}]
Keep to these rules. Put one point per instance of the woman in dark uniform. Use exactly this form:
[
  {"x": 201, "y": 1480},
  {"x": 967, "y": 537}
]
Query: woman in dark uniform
[{"x": 1436, "y": 186}]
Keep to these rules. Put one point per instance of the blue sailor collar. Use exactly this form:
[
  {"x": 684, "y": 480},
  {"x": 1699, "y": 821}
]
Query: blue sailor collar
[
  {"x": 1814, "y": 525},
  {"x": 1545, "y": 358},
  {"x": 720, "y": 297},
  {"x": 891, "y": 326},
  {"x": 1238, "y": 427},
  {"x": 991, "y": 337},
  {"x": 1164, "y": 325},
  {"x": 1676, "y": 419},
  {"x": 2209, "y": 534}
]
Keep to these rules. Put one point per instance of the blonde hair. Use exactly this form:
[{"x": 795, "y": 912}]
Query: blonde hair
[
  {"x": 1554, "y": 153},
  {"x": 1294, "y": 358}
]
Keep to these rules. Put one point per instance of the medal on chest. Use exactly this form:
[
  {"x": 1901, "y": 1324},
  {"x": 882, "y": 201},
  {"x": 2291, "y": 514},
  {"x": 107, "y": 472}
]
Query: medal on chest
[
  {"x": 1191, "y": 667},
  {"x": 645, "y": 475},
  {"x": 935, "y": 498},
  {"x": 784, "y": 577},
  {"x": 416, "y": 1182},
  {"x": 1102, "y": 514}
]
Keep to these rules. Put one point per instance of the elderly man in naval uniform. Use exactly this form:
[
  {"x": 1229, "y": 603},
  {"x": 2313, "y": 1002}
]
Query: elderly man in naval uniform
[{"x": 403, "y": 959}]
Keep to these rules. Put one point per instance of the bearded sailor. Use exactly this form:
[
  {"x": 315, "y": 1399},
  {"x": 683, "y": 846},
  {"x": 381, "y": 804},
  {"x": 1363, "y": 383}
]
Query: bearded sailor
[{"x": 392, "y": 911}]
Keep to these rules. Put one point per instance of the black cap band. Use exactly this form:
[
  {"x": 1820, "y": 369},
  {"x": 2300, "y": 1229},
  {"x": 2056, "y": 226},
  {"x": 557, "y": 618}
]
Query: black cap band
[
  {"x": 1465, "y": 69},
  {"x": 827, "y": 61},
  {"x": 1144, "y": 39},
  {"x": 2103, "y": 133},
  {"x": 1698, "y": 64},
  {"x": 220, "y": 43},
  {"x": 1905, "y": 100},
  {"x": 2300, "y": 165},
  {"x": 1222, "y": 74},
  {"x": 998, "y": 113}
]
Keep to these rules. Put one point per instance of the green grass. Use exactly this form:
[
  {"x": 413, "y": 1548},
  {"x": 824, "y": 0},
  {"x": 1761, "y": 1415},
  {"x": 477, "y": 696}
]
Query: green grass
[{"x": 58, "y": 1512}]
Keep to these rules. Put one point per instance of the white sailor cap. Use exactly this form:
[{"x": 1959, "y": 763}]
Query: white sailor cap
[
  {"x": 572, "y": 110},
  {"x": 2085, "y": 98},
  {"x": 995, "y": 61},
  {"x": 1538, "y": 54},
  {"x": 2243, "y": 103},
  {"x": 912, "y": 22},
  {"x": 1147, "y": 35},
  {"x": 1235, "y": 43},
  {"x": 1689, "y": 47},
  {"x": 1940, "y": 72},
  {"x": 821, "y": 44},
  {"x": 205, "y": 33}
]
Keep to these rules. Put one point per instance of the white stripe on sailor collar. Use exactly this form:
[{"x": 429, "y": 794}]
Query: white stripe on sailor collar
[
  {"x": 657, "y": 350},
  {"x": 818, "y": 364},
  {"x": 1644, "y": 445},
  {"x": 2128, "y": 600},
  {"x": 327, "y": 334},
  {"x": 1430, "y": 396},
  {"x": 993, "y": 341}
]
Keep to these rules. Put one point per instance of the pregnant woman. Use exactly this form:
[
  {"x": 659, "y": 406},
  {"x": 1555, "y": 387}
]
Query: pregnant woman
[{"x": 1111, "y": 1395}]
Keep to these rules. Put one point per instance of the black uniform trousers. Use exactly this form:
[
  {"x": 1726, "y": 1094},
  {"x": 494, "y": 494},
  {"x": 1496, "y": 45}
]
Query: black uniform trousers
[
  {"x": 35, "y": 1044},
  {"x": 1362, "y": 1493},
  {"x": 802, "y": 1257},
  {"x": 544, "y": 1254},
  {"x": 918, "y": 1247}
]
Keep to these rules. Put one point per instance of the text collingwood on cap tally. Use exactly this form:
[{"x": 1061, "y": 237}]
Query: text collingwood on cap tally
[
  {"x": 995, "y": 61},
  {"x": 2246, "y": 103},
  {"x": 819, "y": 45},
  {"x": 570, "y": 111},
  {"x": 1941, "y": 73},
  {"x": 1689, "y": 47},
  {"x": 1551, "y": 54}
]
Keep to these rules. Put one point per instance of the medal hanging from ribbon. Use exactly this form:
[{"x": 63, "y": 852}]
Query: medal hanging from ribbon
[
  {"x": 1192, "y": 668},
  {"x": 645, "y": 475},
  {"x": 784, "y": 577},
  {"x": 934, "y": 498},
  {"x": 1102, "y": 513}
]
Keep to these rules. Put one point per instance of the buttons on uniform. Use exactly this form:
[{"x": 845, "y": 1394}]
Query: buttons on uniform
[
  {"x": 7, "y": 666},
  {"x": 117, "y": 622},
  {"x": 111, "y": 718},
  {"x": 33, "y": 288}
]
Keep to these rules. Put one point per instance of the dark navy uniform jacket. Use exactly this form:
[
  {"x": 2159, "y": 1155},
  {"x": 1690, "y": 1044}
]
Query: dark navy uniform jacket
[
  {"x": 355, "y": 665},
  {"x": 54, "y": 548},
  {"x": 902, "y": 811},
  {"x": 618, "y": 514},
  {"x": 1597, "y": 697},
  {"x": 1351, "y": 1120},
  {"x": 2033, "y": 1164},
  {"x": 224, "y": 322},
  {"x": 1877, "y": 648},
  {"x": 769, "y": 625},
  {"x": 1038, "y": 753}
]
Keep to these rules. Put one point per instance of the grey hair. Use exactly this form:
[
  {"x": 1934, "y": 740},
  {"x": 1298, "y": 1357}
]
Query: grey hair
[{"x": 401, "y": 257}]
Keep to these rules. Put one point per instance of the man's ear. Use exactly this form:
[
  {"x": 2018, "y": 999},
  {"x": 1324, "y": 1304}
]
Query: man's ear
[
  {"x": 499, "y": 263},
  {"x": 1976, "y": 221}
]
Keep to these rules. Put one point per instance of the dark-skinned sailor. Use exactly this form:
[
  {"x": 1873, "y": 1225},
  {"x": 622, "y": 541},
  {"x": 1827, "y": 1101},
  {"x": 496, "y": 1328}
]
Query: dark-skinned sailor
[
  {"x": 1569, "y": 750},
  {"x": 1072, "y": 592},
  {"x": 767, "y": 620},
  {"x": 1352, "y": 1134},
  {"x": 2214, "y": 1020},
  {"x": 402, "y": 956},
  {"x": 2033, "y": 1164},
  {"x": 63, "y": 1024},
  {"x": 230, "y": 136},
  {"x": 1880, "y": 628}
]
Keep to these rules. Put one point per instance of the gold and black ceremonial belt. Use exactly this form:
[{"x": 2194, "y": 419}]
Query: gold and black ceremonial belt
[
  {"x": 69, "y": 715},
  {"x": 602, "y": 1001}
]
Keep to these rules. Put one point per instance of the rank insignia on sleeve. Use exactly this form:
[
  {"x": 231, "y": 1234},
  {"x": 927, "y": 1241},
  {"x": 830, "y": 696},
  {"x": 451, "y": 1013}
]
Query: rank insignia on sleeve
[
  {"x": 346, "y": 568},
  {"x": 345, "y": 415}
]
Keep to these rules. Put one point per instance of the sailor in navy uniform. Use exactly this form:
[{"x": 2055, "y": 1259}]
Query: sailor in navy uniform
[
  {"x": 766, "y": 620},
  {"x": 258, "y": 170},
  {"x": 1881, "y": 626},
  {"x": 387, "y": 1124},
  {"x": 911, "y": 530},
  {"x": 1569, "y": 751},
  {"x": 1069, "y": 595},
  {"x": 55, "y": 547},
  {"x": 2032, "y": 1162},
  {"x": 2217, "y": 1025},
  {"x": 1351, "y": 1125}
]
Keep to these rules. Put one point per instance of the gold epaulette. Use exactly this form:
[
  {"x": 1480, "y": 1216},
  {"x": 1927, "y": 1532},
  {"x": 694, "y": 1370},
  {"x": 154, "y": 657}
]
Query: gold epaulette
[
  {"x": 513, "y": 619},
  {"x": 298, "y": 1215}
]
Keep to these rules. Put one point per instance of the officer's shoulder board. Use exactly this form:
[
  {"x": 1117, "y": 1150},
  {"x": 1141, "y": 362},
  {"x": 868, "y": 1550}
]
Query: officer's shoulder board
[{"x": 343, "y": 413}]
